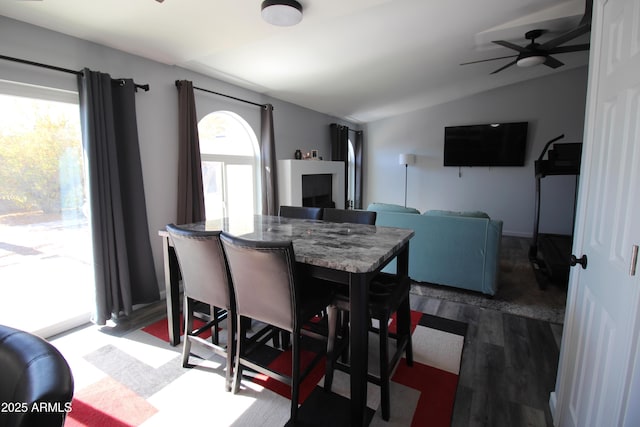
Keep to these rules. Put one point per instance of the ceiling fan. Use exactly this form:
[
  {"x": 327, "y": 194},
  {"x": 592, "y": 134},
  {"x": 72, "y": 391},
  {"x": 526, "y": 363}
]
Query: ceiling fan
[{"x": 535, "y": 53}]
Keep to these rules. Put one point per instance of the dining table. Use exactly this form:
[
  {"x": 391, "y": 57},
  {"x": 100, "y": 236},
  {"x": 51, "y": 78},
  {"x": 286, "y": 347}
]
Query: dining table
[{"x": 346, "y": 253}]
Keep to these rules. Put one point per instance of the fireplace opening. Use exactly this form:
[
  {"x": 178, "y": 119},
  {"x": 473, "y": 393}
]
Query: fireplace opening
[{"x": 317, "y": 191}]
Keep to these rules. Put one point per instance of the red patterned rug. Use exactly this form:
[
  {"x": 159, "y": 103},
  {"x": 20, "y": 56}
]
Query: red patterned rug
[{"x": 138, "y": 380}]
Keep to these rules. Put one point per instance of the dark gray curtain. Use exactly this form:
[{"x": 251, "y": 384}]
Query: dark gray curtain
[
  {"x": 190, "y": 188},
  {"x": 268, "y": 157},
  {"x": 340, "y": 152},
  {"x": 357, "y": 148},
  {"x": 124, "y": 270}
]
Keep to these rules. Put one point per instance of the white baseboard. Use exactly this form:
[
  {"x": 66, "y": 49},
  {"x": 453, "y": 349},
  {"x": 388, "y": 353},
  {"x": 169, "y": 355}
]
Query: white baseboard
[{"x": 50, "y": 331}]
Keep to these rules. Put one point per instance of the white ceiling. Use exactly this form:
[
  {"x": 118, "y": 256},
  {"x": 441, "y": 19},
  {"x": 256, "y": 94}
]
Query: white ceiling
[{"x": 356, "y": 59}]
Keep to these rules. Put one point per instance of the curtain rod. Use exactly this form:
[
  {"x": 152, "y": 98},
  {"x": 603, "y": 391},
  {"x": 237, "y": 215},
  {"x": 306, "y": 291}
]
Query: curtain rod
[
  {"x": 227, "y": 96},
  {"x": 64, "y": 70},
  {"x": 348, "y": 128}
]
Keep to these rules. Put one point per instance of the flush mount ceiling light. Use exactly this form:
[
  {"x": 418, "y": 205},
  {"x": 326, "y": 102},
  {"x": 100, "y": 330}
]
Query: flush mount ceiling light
[{"x": 283, "y": 13}]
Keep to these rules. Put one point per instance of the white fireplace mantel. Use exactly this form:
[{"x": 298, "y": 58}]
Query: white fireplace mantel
[{"x": 290, "y": 179}]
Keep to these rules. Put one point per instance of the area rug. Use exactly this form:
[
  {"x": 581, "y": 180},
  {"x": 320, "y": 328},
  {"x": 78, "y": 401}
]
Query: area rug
[{"x": 138, "y": 380}]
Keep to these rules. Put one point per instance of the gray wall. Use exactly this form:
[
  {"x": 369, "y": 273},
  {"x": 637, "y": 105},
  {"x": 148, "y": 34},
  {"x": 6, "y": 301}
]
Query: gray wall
[
  {"x": 552, "y": 105},
  {"x": 295, "y": 127}
]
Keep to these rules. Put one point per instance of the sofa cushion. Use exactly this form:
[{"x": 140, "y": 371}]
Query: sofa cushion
[
  {"x": 388, "y": 207},
  {"x": 471, "y": 214}
]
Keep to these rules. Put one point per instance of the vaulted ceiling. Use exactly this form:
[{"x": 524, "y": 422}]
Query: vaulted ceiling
[{"x": 357, "y": 59}]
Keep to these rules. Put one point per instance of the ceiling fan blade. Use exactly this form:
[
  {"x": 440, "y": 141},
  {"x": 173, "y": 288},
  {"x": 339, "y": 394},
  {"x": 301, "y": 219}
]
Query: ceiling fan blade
[
  {"x": 566, "y": 49},
  {"x": 588, "y": 10},
  {"x": 511, "y": 45},
  {"x": 506, "y": 66},
  {"x": 490, "y": 59},
  {"x": 570, "y": 35},
  {"x": 553, "y": 62}
]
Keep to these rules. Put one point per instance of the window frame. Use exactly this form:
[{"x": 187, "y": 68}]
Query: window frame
[{"x": 234, "y": 159}]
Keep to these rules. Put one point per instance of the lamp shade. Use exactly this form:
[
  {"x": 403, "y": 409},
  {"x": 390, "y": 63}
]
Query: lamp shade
[
  {"x": 283, "y": 13},
  {"x": 407, "y": 159}
]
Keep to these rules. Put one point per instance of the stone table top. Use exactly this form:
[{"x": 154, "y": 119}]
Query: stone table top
[{"x": 354, "y": 248}]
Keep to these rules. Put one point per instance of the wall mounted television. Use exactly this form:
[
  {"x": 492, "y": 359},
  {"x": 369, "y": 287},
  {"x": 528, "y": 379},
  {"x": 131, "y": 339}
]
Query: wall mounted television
[{"x": 495, "y": 144}]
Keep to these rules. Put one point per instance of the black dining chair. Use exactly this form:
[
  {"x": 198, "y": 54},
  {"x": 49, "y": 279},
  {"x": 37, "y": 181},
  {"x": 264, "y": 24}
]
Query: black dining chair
[
  {"x": 354, "y": 216},
  {"x": 387, "y": 295},
  {"x": 300, "y": 212},
  {"x": 269, "y": 290},
  {"x": 206, "y": 279}
]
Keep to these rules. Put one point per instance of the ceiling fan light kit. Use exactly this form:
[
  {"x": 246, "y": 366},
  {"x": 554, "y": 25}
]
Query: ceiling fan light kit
[
  {"x": 283, "y": 13},
  {"x": 530, "y": 61}
]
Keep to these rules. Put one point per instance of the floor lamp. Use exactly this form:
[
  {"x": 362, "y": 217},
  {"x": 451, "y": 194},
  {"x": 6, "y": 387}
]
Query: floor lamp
[{"x": 406, "y": 160}]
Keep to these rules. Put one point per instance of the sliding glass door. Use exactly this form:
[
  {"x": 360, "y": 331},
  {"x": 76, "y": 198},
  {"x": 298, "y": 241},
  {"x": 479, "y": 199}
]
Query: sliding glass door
[{"x": 46, "y": 262}]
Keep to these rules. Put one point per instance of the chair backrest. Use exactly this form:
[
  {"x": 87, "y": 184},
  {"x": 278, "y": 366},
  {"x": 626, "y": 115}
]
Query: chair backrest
[
  {"x": 263, "y": 275},
  {"x": 205, "y": 273},
  {"x": 355, "y": 216},
  {"x": 301, "y": 212},
  {"x": 36, "y": 375}
]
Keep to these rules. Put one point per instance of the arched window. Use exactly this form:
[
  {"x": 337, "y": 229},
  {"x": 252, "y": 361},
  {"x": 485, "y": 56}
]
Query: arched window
[{"x": 230, "y": 165}]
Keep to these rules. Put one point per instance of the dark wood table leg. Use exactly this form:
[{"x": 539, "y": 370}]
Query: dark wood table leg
[
  {"x": 402, "y": 263},
  {"x": 172, "y": 288},
  {"x": 404, "y": 312},
  {"x": 359, "y": 346}
]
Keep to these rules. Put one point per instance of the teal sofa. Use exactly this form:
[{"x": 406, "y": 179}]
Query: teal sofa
[{"x": 458, "y": 249}]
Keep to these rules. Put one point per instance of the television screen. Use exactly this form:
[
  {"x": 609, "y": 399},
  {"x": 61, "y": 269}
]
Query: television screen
[{"x": 496, "y": 144}]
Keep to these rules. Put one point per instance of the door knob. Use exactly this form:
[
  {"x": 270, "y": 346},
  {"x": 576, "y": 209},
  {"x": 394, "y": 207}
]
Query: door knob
[{"x": 582, "y": 261}]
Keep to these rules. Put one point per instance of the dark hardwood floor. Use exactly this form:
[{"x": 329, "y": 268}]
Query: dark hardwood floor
[{"x": 508, "y": 367}]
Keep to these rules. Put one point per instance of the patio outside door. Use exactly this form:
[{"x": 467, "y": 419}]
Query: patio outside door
[{"x": 46, "y": 262}]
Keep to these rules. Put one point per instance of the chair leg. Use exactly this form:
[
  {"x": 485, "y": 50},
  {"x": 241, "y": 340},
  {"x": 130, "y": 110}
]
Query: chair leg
[
  {"x": 404, "y": 328},
  {"x": 215, "y": 334},
  {"x": 276, "y": 339},
  {"x": 231, "y": 349},
  {"x": 384, "y": 366},
  {"x": 188, "y": 327},
  {"x": 344, "y": 332},
  {"x": 332, "y": 324},
  {"x": 237, "y": 366},
  {"x": 295, "y": 374},
  {"x": 285, "y": 340}
]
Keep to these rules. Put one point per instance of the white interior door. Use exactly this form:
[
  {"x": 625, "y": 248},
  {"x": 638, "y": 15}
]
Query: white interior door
[{"x": 600, "y": 342}]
